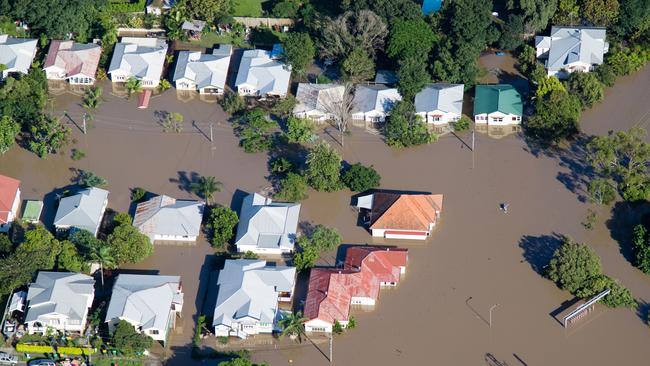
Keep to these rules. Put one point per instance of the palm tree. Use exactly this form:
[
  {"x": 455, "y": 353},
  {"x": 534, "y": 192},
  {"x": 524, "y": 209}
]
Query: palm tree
[
  {"x": 133, "y": 85},
  {"x": 205, "y": 187},
  {"x": 92, "y": 98},
  {"x": 292, "y": 325},
  {"x": 103, "y": 254}
]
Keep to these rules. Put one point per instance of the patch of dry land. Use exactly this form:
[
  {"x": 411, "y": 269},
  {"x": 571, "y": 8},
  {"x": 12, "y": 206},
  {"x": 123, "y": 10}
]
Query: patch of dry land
[{"x": 477, "y": 256}]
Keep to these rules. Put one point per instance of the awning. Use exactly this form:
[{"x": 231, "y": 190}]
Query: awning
[{"x": 365, "y": 201}]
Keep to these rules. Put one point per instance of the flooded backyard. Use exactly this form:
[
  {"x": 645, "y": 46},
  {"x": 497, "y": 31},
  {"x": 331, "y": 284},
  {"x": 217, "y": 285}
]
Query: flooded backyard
[{"x": 477, "y": 257}]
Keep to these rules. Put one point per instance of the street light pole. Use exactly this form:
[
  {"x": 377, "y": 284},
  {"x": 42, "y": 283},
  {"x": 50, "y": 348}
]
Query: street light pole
[{"x": 492, "y": 308}]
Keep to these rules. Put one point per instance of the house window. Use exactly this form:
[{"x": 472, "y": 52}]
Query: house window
[
  {"x": 497, "y": 119},
  {"x": 514, "y": 118},
  {"x": 317, "y": 329},
  {"x": 154, "y": 331},
  {"x": 436, "y": 118}
]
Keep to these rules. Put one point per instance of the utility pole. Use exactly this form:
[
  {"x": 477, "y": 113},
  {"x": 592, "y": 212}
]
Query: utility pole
[
  {"x": 473, "y": 142},
  {"x": 84, "y": 119},
  {"x": 331, "y": 348},
  {"x": 211, "y": 132},
  {"x": 492, "y": 308}
]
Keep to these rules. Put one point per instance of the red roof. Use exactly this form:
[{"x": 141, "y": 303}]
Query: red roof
[
  {"x": 143, "y": 99},
  {"x": 405, "y": 211},
  {"x": 331, "y": 290},
  {"x": 8, "y": 192}
]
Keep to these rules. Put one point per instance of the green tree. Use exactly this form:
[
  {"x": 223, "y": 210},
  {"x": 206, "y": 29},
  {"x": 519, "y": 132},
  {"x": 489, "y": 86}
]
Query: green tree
[
  {"x": 164, "y": 84},
  {"x": 641, "y": 242},
  {"x": 568, "y": 12},
  {"x": 23, "y": 99},
  {"x": 305, "y": 259},
  {"x": 587, "y": 87},
  {"x": 58, "y": 19},
  {"x": 391, "y": 10},
  {"x": 300, "y": 130},
  {"x": 535, "y": 13},
  {"x": 404, "y": 128},
  {"x": 232, "y": 102},
  {"x": 286, "y": 9},
  {"x": 133, "y": 86},
  {"x": 324, "y": 168},
  {"x": 322, "y": 238},
  {"x": 9, "y": 129},
  {"x": 205, "y": 187},
  {"x": 221, "y": 224},
  {"x": 48, "y": 136},
  {"x": 241, "y": 361},
  {"x": 284, "y": 107},
  {"x": 624, "y": 158},
  {"x": 463, "y": 124},
  {"x": 173, "y": 122},
  {"x": 128, "y": 341},
  {"x": 361, "y": 29},
  {"x": 601, "y": 191},
  {"x": 337, "y": 328},
  {"x": 89, "y": 179},
  {"x": 513, "y": 31},
  {"x": 634, "y": 19},
  {"x": 619, "y": 296},
  {"x": 174, "y": 19},
  {"x": 128, "y": 245},
  {"x": 413, "y": 76},
  {"x": 410, "y": 38},
  {"x": 292, "y": 325},
  {"x": 6, "y": 246},
  {"x": 606, "y": 75},
  {"x": 293, "y": 188},
  {"x": 361, "y": 178},
  {"x": 600, "y": 12},
  {"x": 92, "y": 98},
  {"x": 69, "y": 258},
  {"x": 573, "y": 265},
  {"x": 548, "y": 85},
  {"x": 96, "y": 250},
  {"x": 357, "y": 66},
  {"x": 253, "y": 129},
  {"x": 209, "y": 10},
  {"x": 299, "y": 51},
  {"x": 556, "y": 118}
]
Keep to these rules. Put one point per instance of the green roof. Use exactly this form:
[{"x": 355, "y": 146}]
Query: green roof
[
  {"x": 502, "y": 98},
  {"x": 32, "y": 211}
]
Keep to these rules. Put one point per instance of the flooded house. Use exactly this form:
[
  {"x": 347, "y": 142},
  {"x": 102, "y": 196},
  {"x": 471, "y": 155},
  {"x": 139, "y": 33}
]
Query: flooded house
[
  {"x": 139, "y": 58},
  {"x": 401, "y": 215},
  {"x": 248, "y": 296},
  {"x": 331, "y": 292},
  {"x": 150, "y": 303},
  {"x": 75, "y": 62},
  {"x": 59, "y": 301},
  {"x": 318, "y": 102},
  {"x": 9, "y": 202},
  {"x": 440, "y": 105},
  {"x": 165, "y": 218},
  {"x": 83, "y": 210},
  {"x": 497, "y": 106},
  {"x": 571, "y": 49},
  {"x": 261, "y": 75},
  {"x": 205, "y": 73},
  {"x": 267, "y": 227},
  {"x": 16, "y": 54},
  {"x": 373, "y": 103}
]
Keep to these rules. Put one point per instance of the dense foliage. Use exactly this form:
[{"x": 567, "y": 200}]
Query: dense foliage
[
  {"x": 254, "y": 131},
  {"x": 404, "y": 128},
  {"x": 321, "y": 239},
  {"x": 299, "y": 51},
  {"x": 641, "y": 241},
  {"x": 127, "y": 243},
  {"x": 324, "y": 168},
  {"x": 221, "y": 224},
  {"x": 360, "y": 178},
  {"x": 128, "y": 341}
]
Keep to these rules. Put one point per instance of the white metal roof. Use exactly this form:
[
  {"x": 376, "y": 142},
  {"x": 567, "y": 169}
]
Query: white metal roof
[
  {"x": 17, "y": 53},
  {"x": 260, "y": 71},
  {"x": 267, "y": 224},
  {"x": 142, "y": 58},
  {"x": 164, "y": 215},
  {"x": 82, "y": 210},
  {"x": 377, "y": 98},
  {"x": 447, "y": 98},
  {"x": 205, "y": 70},
  {"x": 569, "y": 45},
  {"x": 62, "y": 293},
  {"x": 318, "y": 97}
]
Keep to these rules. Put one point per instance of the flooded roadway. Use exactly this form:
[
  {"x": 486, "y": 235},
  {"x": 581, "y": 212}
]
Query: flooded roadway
[{"x": 476, "y": 251}]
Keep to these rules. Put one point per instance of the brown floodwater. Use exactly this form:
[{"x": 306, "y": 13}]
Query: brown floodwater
[{"x": 476, "y": 258}]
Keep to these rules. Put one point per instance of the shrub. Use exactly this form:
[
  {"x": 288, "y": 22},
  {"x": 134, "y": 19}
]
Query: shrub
[
  {"x": 77, "y": 154},
  {"x": 293, "y": 188},
  {"x": 300, "y": 130},
  {"x": 232, "y": 102},
  {"x": 463, "y": 124},
  {"x": 573, "y": 264},
  {"x": 222, "y": 224},
  {"x": 337, "y": 328},
  {"x": 361, "y": 178},
  {"x": 137, "y": 194}
]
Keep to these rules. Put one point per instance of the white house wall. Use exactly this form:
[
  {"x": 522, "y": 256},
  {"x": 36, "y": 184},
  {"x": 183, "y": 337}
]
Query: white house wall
[{"x": 492, "y": 119}]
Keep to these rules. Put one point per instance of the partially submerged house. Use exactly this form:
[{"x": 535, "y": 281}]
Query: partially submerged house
[
  {"x": 206, "y": 73},
  {"x": 75, "y": 62},
  {"x": 267, "y": 227},
  {"x": 17, "y": 54},
  {"x": 9, "y": 201},
  {"x": 140, "y": 58},
  {"x": 332, "y": 291},
  {"x": 373, "y": 103},
  {"x": 401, "y": 216},
  {"x": 260, "y": 75},
  {"x": 440, "y": 104},
  {"x": 150, "y": 303},
  {"x": 571, "y": 49},
  {"x": 83, "y": 210},
  {"x": 248, "y": 296},
  {"x": 59, "y": 301},
  {"x": 158, "y": 7},
  {"x": 318, "y": 102},
  {"x": 166, "y": 218},
  {"x": 497, "y": 105}
]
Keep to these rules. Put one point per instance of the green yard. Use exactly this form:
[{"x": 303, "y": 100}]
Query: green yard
[{"x": 247, "y": 8}]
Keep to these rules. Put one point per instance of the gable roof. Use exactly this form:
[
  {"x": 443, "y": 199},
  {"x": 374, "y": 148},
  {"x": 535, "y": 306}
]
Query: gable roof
[
  {"x": 74, "y": 58},
  {"x": 82, "y": 210},
  {"x": 164, "y": 215},
  {"x": 317, "y": 97},
  {"x": 17, "y": 53},
  {"x": 405, "y": 211},
  {"x": 447, "y": 98},
  {"x": 193, "y": 25},
  {"x": 576, "y": 44},
  {"x": 330, "y": 290},
  {"x": 379, "y": 98},
  {"x": 249, "y": 288},
  {"x": 8, "y": 192},
  {"x": 267, "y": 224},
  {"x": 259, "y": 69},
  {"x": 502, "y": 98},
  {"x": 144, "y": 299},
  {"x": 205, "y": 70},
  {"x": 139, "y": 57},
  {"x": 62, "y": 293}
]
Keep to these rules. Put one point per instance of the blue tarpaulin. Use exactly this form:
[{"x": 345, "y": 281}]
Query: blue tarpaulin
[{"x": 431, "y": 6}]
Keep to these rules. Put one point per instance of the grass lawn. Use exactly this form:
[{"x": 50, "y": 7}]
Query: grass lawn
[
  {"x": 247, "y": 8},
  {"x": 116, "y": 361}
]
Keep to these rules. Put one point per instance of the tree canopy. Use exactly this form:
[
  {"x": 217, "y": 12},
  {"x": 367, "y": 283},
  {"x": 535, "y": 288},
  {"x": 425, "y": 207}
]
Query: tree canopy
[
  {"x": 556, "y": 118},
  {"x": 363, "y": 29},
  {"x": 59, "y": 18},
  {"x": 410, "y": 38},
  {"x": 360, "y": 178},
  {"x": 404, "y": 128},
  {"x": 299, "y": 51},
  {"x": 324, "y": 168},
  {"x": 221, "y": 224},
  {"x": 128, "y": 244},
  {"x": 129, "y": 341}
]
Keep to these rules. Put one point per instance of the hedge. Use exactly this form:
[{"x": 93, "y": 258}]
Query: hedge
[
  {"x": 127, "y": 7},
  {"x": 34, "y": 348}
]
